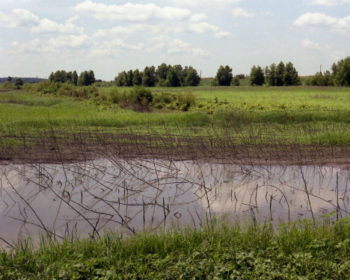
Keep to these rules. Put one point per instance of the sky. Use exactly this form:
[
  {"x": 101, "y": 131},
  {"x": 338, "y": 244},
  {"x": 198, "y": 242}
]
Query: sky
[{"x": 38, "y": 37}]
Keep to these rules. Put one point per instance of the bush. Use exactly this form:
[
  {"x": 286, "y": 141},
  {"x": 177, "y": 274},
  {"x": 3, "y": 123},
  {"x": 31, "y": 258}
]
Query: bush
[
  {"x": 139, "y": 99},
  {"x": 115, "y": 97},
  {"x": 186, "y": 100},
  {"x": 8, "y": 85},
  {"x": 320, "y": 79}
]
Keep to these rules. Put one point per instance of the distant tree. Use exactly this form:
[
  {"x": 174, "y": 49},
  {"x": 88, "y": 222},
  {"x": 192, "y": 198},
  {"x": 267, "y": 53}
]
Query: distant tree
[
  {"x": 321, "y": 79},
  {"x": 9, "y": 79},
  {"x": 19, "y": 83},
  {"x": 92, "y": 78},
  {"x": 121, "y": 79},
  {"x": 224, "y": 76},
  {"x": 75, "y": 78},
  {"x": 130, "y": 78},
  {"x": 137, "y": 78},
  {"x": 86, "y": 78},
  {"x": 257, "y": 77},
  {"x": 341, "y": 72},
  {"x": 271, "y": 75},
  {"x": 291, "y": 77},
  {"x": 172, "y": 79},
  {"x": 149, "y": 78},
  {"x": 162, "y": 73},
  {"x": 180, "y": 71},
  {"x": 236, "y": 81},
  {"x": 191, "y": 77},
  {"x": 280, "y": 74}
]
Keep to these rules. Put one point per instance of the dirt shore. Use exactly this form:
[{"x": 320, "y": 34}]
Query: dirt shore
[{"x": 84, "y": 147}]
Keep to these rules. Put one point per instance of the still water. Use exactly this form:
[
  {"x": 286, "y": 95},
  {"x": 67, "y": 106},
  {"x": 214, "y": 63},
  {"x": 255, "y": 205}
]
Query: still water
[{"x": 85, "y": 199}]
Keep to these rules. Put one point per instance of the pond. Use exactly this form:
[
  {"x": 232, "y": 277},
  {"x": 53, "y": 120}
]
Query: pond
[{"x": 88, "y": 198}]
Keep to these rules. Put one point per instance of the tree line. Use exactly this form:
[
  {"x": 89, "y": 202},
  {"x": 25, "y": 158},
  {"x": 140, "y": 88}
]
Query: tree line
[
  {"x": 340, "y": 75},
  {"x": 164, "y": 75},
  {"x": 274, "y": 75},
  {"x": 281, "y": 74},
  {"x": 85, "y": 78}
]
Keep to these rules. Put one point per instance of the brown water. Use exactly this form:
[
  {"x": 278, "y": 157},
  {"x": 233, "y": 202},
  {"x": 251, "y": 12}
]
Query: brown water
[{"x": 84, "y": 199}]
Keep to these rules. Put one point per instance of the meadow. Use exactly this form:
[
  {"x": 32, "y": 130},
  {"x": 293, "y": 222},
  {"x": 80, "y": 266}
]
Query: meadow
[{"x": 250, "y": 115}]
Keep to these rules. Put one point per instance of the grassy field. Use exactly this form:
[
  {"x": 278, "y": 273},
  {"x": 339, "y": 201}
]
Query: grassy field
[
  {"x": 297, "y": 251},
  {"x": 267, "y": 115}
]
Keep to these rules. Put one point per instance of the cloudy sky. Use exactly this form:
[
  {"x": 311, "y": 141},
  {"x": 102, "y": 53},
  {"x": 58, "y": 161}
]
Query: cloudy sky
[{"x": 38, "y": 37}]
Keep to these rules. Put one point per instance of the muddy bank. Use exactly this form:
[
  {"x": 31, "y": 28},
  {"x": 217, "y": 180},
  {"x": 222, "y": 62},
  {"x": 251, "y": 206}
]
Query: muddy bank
[{"x": 80, "y": 147}]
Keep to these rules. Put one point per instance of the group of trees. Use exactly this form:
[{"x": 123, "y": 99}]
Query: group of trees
[
  {"x": 224, "y": 77},
  {"x": 163, "y": 75},
  {"x": 86, "y": 78},
  {"x": 340, "y": 75},
  {"x": 275, "y": 75}
]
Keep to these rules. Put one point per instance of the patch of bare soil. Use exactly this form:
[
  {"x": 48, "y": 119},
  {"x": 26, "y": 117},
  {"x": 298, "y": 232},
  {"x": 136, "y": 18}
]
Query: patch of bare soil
[{"x": 62, "y": 148}]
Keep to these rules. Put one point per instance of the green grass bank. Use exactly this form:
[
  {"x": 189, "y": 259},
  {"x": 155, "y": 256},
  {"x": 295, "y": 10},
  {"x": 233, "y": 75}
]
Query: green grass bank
[{"x": 301, "y": 250}]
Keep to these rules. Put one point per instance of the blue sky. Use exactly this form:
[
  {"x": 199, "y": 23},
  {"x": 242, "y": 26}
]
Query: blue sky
[{"x": 38, "y": 37}]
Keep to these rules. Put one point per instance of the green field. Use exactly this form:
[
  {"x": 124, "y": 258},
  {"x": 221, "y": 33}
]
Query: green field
[
  {"x": 294, "y": 115},
  {"x": 302, "y": 250}
]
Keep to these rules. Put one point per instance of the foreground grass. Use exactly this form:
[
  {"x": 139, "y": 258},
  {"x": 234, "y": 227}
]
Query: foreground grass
[{"x": 296, "y": 251}]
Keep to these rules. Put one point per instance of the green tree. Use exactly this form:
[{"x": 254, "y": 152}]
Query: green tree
[
  {"x": 75, "y": 78},
  {"x": 121, "y": 79},
  {"x": 341, "y": 72},
  {"x": 280, "y": 74},
  {"x": 271, "y": 75},
  {"x": 19, "y": 83},
  {"x": 137, "y": 78},
  {"x": 172, "y": 79},
  {"x": 130, "y": 78},
  {"x": 291, "y": 77},
  {"x": 257, "y": 77},
  {"x": 162, "y": 73},
  {"x": 224, "y": 76},
  {"x": 149, "y": 78},
  {"x": 191, "y": 77}
]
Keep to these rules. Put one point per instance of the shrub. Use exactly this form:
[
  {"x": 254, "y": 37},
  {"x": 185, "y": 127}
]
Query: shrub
[
  {"x": 139, "y": 99},
  {"x": 8, "y": 85},
  {"x": 115, "y": 97},
  {"x": 186, "y": 100}
]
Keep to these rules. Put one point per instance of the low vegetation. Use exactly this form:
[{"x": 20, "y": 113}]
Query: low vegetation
[{"x": 302, "y": 250}]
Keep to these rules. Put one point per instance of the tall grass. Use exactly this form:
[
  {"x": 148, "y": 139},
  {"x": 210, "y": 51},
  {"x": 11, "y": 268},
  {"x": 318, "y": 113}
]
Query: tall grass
[{"x": 302, "y": 250}]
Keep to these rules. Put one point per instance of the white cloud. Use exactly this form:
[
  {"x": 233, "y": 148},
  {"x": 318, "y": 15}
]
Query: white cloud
[
  {"x": 317, "y": 19},
  {"x": 202, "y": 27},
  {"x": 217, "y": 3},
  {"x": 159, "y": 28},
  {"x": 46, "y": 26},
  {"x": 239, "y": 12},
  {"x": 17, "y": 17},
  {"x": 308, "y": 44},
  {"x": 198, "y": 17},
  {"x": 114, "y": 47},
  {"x": 55, "y": 44},
  {"x": 222, "y": 34},
  {"x": 174, "y": 46},
  {"x": 124, "y": 30},
  {"x": 330, "y": 3},
  {"x": 68, "y": 41},
  {"x": 21, "y": 17},
  {"x": 131, "y": 12},
  {"x": 180, "y": 47}
]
